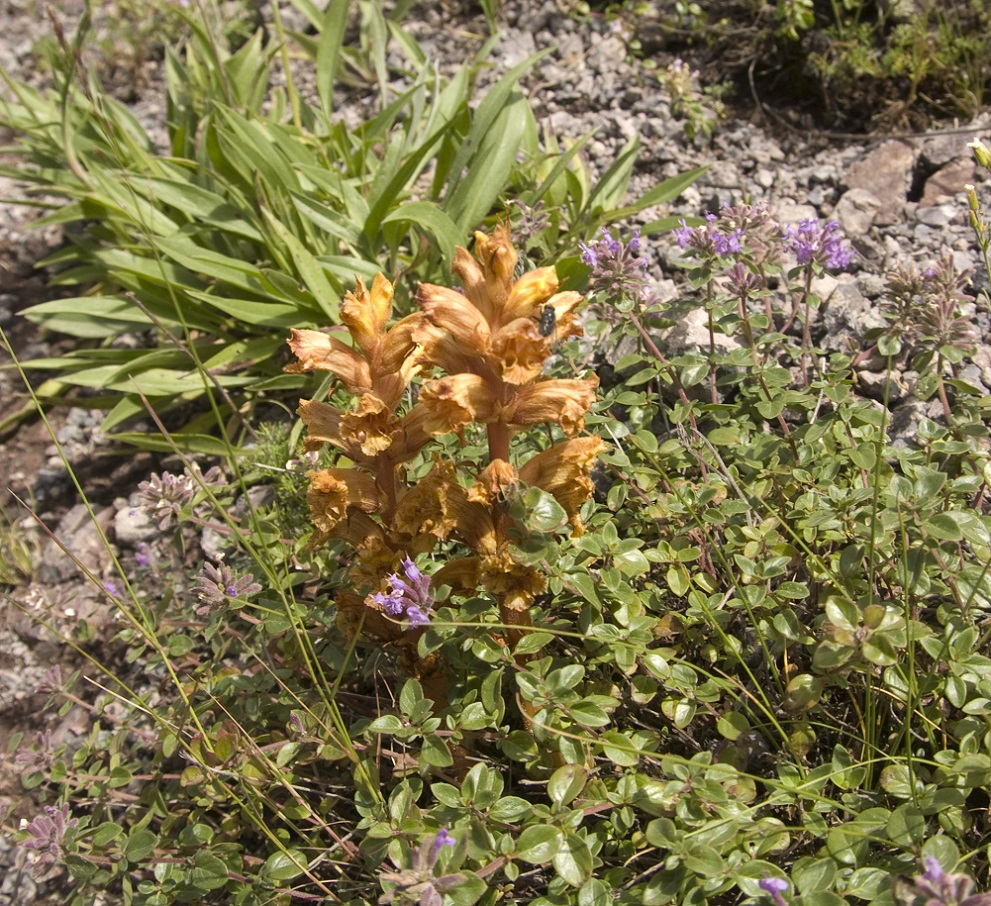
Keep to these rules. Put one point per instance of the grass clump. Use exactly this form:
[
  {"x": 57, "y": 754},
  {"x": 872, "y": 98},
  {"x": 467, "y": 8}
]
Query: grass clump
[
  {"x": 855, "y": 64},
  {"x": 263, "y": 206},
  {"x": 496, "y": 631}
]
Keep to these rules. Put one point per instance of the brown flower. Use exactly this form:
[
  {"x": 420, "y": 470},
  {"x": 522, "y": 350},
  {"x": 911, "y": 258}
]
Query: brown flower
[
  {"x": 564, "y": 470},
  {"x": 333, "y": 492},
  {"x": 491, "y": 328},
  {"x": 563, "y": 402}
]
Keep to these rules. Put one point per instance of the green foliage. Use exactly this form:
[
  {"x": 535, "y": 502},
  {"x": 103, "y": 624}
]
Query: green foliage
[
  {"x": 264, "y": 206},
  {"x": 15, "y": 551},
  {"x": 764, "y": 659},
  {"x": 857, "y": 62}
]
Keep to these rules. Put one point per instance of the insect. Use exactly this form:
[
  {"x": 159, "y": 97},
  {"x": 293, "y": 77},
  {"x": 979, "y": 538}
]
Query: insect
[{"x": 548, "y": 321}]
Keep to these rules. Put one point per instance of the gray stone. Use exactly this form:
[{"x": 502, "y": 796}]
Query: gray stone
[
  {"x": 790, "y": 212},
  {"x": 939, "y": 215},
  {"x": 887, "y": 173},
  {"x": 132, "y": 525},
  {"x": 80, "y": 546},
  {"x": 847, "y": 315},
  {"x": 946, "y": 185},
  {"x": 856, "y": 211},
  {"x": 691, "y": 333}
]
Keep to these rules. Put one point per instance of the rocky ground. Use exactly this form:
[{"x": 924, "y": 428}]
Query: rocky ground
[{"x": 897, "y": 199}]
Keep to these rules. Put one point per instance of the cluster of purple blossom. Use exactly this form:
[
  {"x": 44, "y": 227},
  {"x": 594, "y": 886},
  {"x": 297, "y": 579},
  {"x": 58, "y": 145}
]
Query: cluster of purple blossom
[
  {"x": 935, "y": 887},
  {"x": 750, "y": 228},
  {"x": 618, "y": 270},
  {"x": 165, "y": 496},
  {"x": 708, "y": 240},
  {"x": 418, "y": 883},
  {"x": 818, "y": 245},
  {"x": 217, "y": 585},
  {"x": 45, "y": 836},
  {"x": 409, "y": 597}
]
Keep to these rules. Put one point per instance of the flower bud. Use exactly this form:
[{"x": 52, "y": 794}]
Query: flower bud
[{"x": 981, "y": 153}]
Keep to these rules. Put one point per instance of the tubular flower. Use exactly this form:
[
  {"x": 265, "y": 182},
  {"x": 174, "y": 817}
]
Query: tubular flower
[
  {"x": 334, "y": 491},
  {"x": 437, "y": 507},
  {"x": 496, "y": 479},
  {"x": 458, "y": 399},
  {"x": 514, "y": 585},
  {"x": 563, "y": 471},
  {"x": 564, "y": 402},
  {"x": 318, "y": 351},
  {"x": 377, "y": 370}
]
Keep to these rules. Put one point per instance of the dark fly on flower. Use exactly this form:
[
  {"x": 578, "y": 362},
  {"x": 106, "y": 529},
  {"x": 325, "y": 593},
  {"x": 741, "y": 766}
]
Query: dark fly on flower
[{"x": 548, "y": 321}]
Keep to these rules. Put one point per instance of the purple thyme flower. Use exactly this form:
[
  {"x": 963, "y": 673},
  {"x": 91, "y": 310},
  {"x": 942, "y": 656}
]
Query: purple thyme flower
[
  {"x": 418, "y": 883},
  {"x": 218, "y": 584},
  {"x": 45, "y": 836},
  {"x": 743, "y": 230},
  {"x": 937, "y": 887},
  {"x": 708, "y": 241},
  {"x": 165, "y": 496},
  {"x": 442, "y": 839},
  {"x": 742, "y": 281},
  {"x": 409, "y": 597},
  {"x": 142, "y": 554},
  {"x": 820, "y": 246},
  {"x": 38, "y": 758},
  {"x": 776, "y": 887},
  {"x": 617, "y": 270},
  {"x": 532, "y": 221}
]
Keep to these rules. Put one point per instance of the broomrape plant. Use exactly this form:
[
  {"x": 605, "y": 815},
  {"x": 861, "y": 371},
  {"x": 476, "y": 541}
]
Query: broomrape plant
[{"x": 481, "y": 352}]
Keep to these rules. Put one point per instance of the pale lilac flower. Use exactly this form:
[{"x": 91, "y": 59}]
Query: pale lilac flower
[
  {"x": 218, "y": 584},
  {"x": 409, "y": 597},
  {"x": 142, "y": 554},
  {"x": 418, "y": 883},
  {"x": 46, "y": 833},
  {"x": 113, "y": 587},
  {"x": 741, "y": 281},
  {"x": 618, "y": 270},
  {"x": 306, "y": 462},
  {"x": 816, "y": 245},
  {"x": 937, "y": 887},
  {"x": 533, "y": 221},
  {"x": 442, "y": 839},
  {"x": 39, "y": 757},
  {"x": 709, "y": 241},
  {"x": 51, "y": 681},
  {"x": 165, "y": 496},
  {"x": 776, "y": 887}
]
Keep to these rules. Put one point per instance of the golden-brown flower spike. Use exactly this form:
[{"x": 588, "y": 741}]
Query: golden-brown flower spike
[
  {"x": 482, "y": 351},
  {"x": 529, "y": 294},
  {"x": 498, "y": 257},
  {"x": 324, "y": 426},
  {"x": 454, "y": 313},
  {"x": 456, "y": 400}
]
